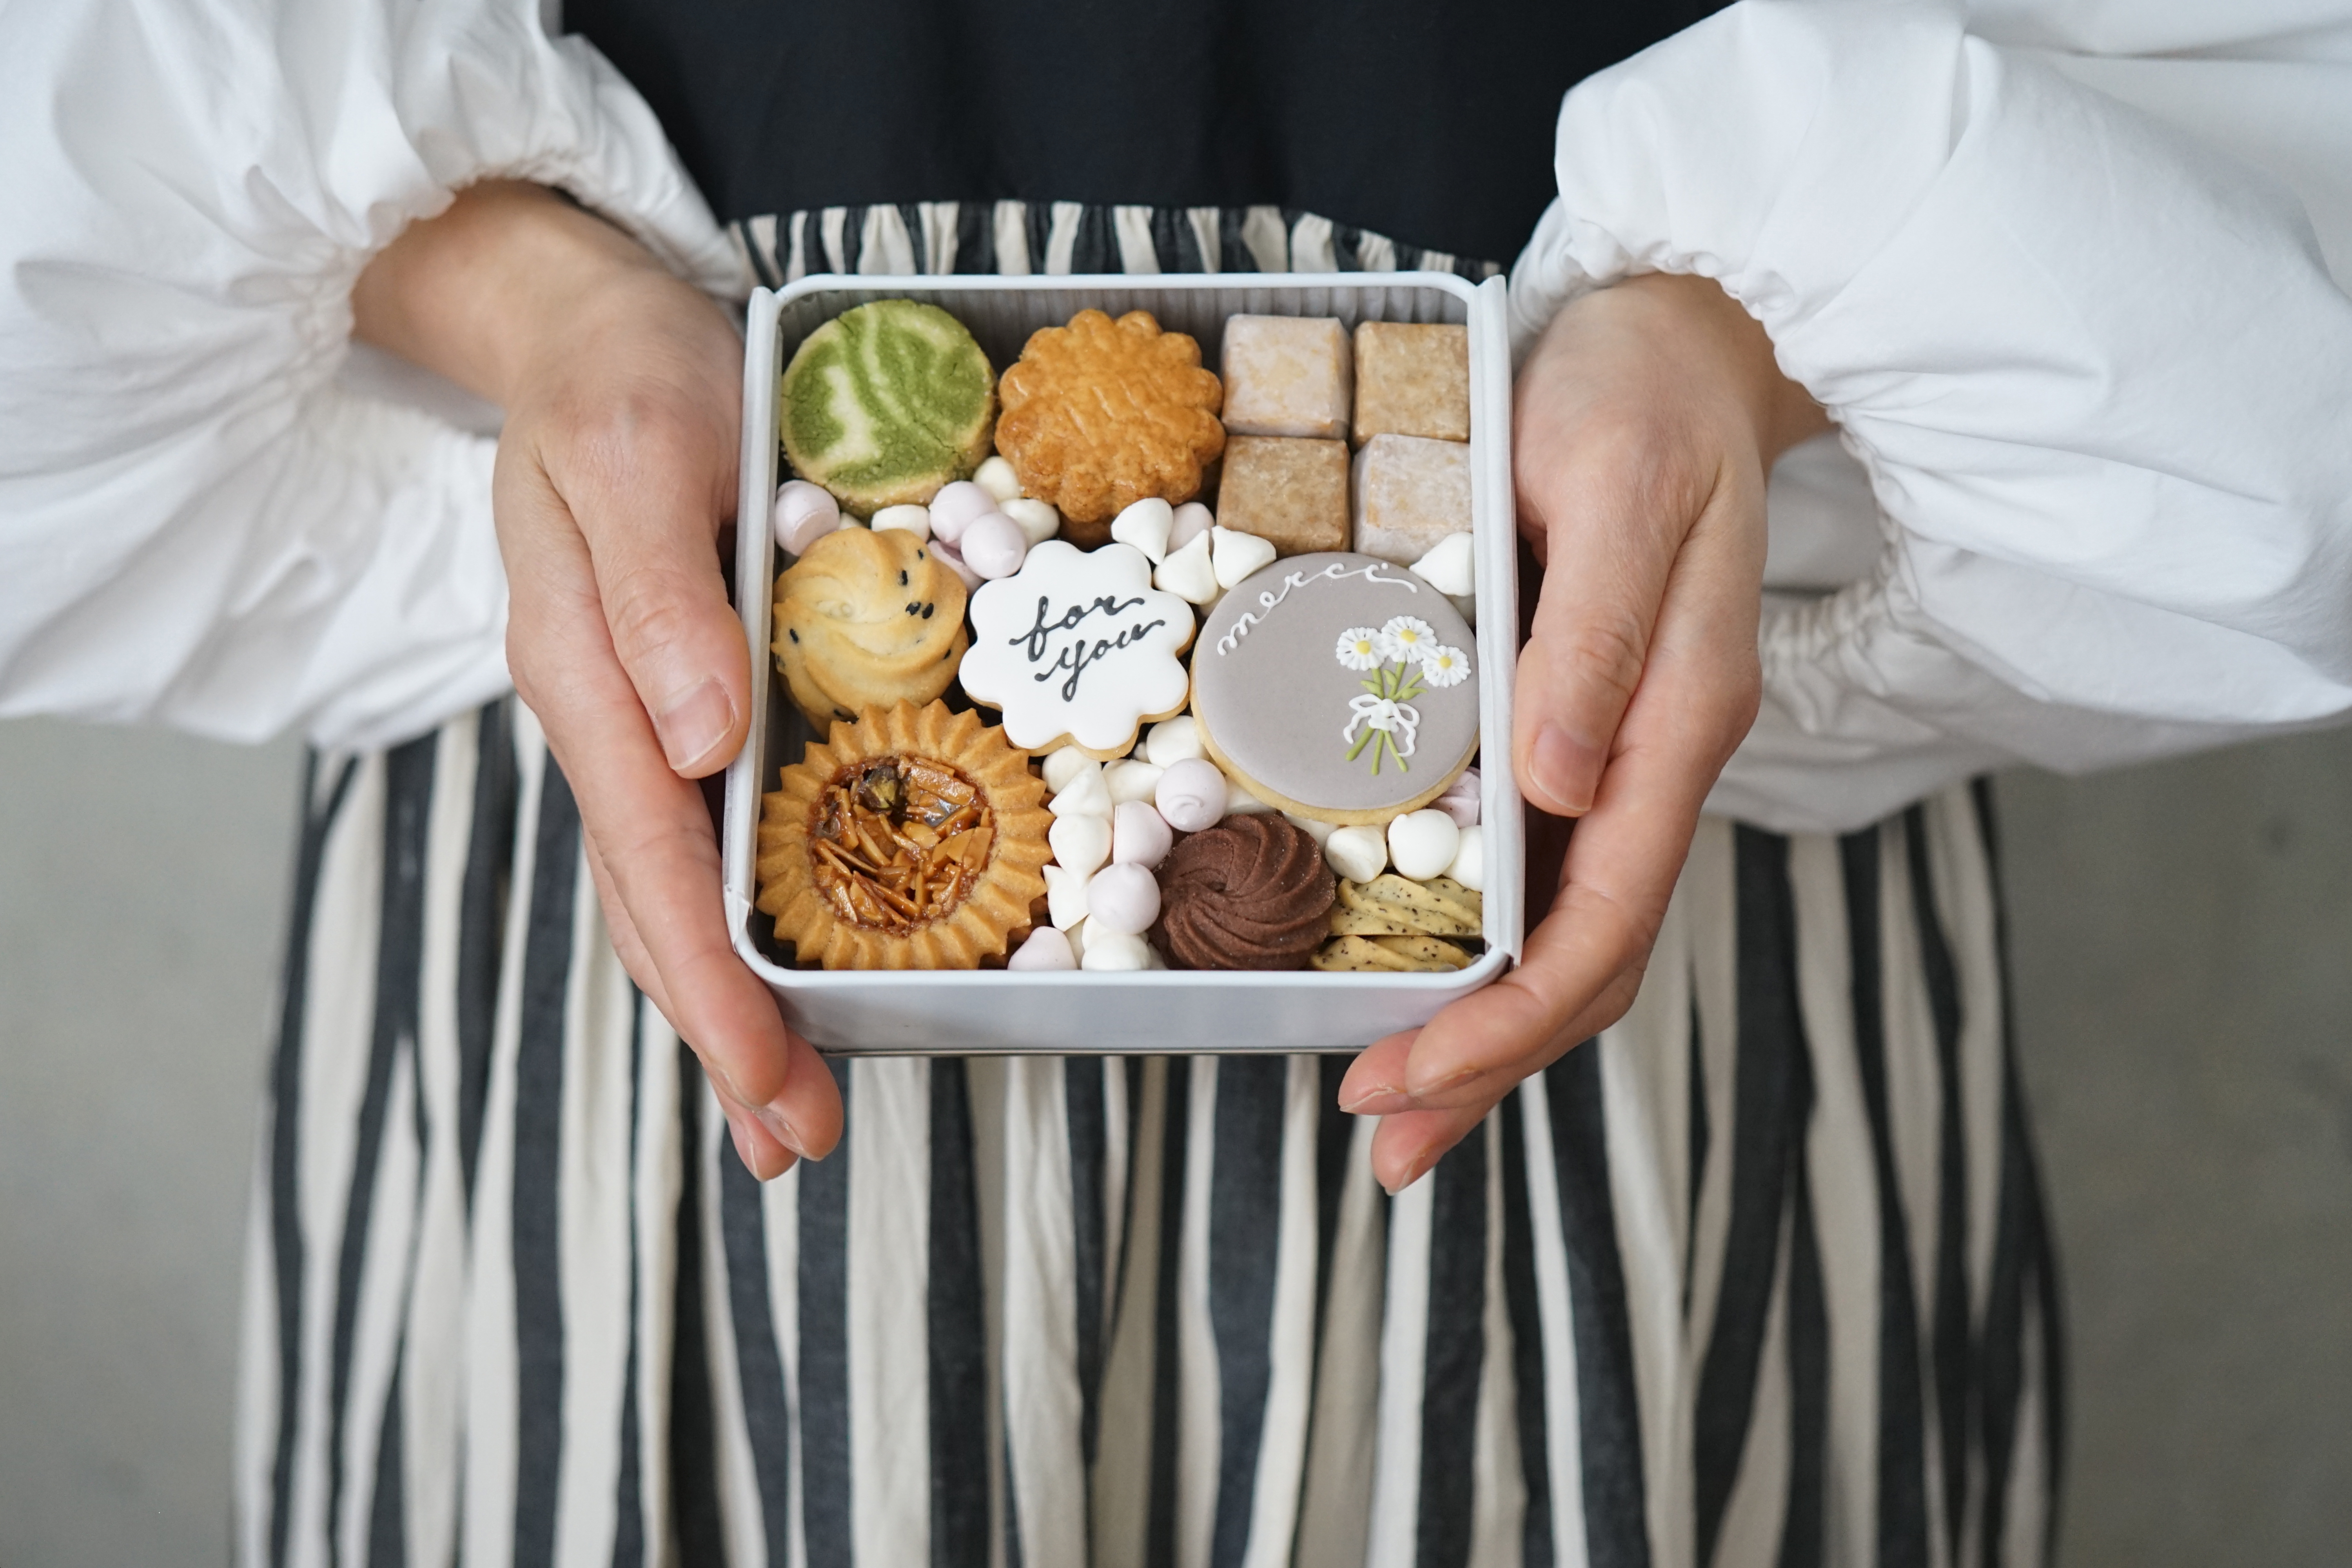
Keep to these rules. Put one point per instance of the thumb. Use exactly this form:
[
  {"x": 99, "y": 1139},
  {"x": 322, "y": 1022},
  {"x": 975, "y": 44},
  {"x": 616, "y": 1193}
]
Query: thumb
[{"x": 1612, "y": 528}]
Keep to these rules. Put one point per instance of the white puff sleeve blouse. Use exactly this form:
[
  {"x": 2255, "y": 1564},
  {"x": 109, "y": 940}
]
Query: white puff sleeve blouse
[
  {"x": 2068, "y": 279},
  {"x": 198, "y": 525},
  {"x": 2061, "y": 271}
]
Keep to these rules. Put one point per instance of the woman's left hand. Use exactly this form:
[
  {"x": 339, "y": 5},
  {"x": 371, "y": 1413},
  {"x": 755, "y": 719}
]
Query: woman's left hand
[{"x": 1644, "y": 424}]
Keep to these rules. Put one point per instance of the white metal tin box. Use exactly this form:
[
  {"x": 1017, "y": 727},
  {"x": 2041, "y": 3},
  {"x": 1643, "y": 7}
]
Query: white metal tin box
[{"x": 896, "y": 1012}]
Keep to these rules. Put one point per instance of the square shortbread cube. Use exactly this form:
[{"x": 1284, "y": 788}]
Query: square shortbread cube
[
  {"x": 1411, "y": 492},
  {"x": 1287, "y": 376},
  {"x": 1289, "y": 491},
  {"x": 1411, "y": 381}
]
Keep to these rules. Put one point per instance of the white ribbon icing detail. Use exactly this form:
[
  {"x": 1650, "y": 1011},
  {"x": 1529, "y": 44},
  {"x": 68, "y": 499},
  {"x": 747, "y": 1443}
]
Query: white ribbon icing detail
[{"x": 1398, "y": 718}]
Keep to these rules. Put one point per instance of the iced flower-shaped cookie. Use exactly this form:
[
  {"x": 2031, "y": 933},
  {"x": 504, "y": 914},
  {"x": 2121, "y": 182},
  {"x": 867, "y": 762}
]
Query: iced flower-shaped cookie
[{"x": 1078, "y": 646}]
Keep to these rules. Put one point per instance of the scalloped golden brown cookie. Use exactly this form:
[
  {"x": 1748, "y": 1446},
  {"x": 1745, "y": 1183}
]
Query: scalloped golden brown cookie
[
  {"x": 1100, "y": 414},
  {"x": 914, "y": 839}
]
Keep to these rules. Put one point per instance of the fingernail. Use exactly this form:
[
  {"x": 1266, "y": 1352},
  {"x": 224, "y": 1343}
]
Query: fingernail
[
  {"x": 744, "y": 1152},
  {"x": 774, "y": 1122},
  {"x": 1412, "y": 1172},
  {"x": 1561, "y": 764},
  {"x": 724, "y": 1081},
  {"x": 694, "y": 724},
  {"x": 1378, "y": 1091},
  {"x": 1420, "y": 1092}
]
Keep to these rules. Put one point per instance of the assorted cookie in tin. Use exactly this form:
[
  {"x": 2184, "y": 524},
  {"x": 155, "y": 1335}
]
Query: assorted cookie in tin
[{"x": 1158, "y": 670}]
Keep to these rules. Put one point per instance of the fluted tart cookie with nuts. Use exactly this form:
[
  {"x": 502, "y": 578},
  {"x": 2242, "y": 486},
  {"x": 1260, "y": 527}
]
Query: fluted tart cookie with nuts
[{"x": 914, "y": 839}]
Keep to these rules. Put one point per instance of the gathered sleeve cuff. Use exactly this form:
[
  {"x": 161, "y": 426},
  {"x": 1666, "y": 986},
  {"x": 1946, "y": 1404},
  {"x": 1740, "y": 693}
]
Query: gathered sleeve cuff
[
  {"x": 2094, "y": 368},
  {"x": 198, "y": 525}
]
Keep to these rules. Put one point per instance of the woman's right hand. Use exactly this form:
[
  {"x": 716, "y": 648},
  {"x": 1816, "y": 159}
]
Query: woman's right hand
[{"x": 616, "y": 472}]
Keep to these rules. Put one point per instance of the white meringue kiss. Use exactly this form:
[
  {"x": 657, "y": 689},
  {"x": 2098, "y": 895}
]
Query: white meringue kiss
[
  {"x": 1190, "y": 573},
  {"x": 1422, "y": 844},
  {"x": 1130, "y": 779},
  {"x": 1036, "y": 518},
  {"x": 996, "y": 477},
  {"x": 1060, "y": 767},
  {"x": 1145, "y": 524},
  {"x": 1140, "y": 835},
  {"x": 1359, "y": 853},
  {"x": 1065, "y": 897},
  {"x": 1450, "y": 567},
  {"x": 915, "y": 520},
  {"x": 1460, "y": 800},
  {"x": 1046, "y": 949},
  {"x": 1191, "y": 795},
  {"x": 1173, "y": 740},
  {"x": 1081, "y": 844},
  {"x": 805, "y": 514},
  {"x": 1123, "y": 897},
  {"x": 1237, "y": 555},
  {"x": 1086, "y": 796},
  {"x": 1469, "y": 866},
  {"x": 1115, "y": 951},
  {"x": 953, "y": 560}
]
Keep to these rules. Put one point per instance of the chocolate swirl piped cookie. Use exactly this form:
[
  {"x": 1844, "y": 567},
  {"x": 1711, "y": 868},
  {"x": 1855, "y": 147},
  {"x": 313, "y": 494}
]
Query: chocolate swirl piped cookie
[{"x": 1252, "y": 892}]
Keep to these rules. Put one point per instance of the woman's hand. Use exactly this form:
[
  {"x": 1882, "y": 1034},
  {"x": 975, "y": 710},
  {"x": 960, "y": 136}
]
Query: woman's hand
[
  {"x": 616, "y": 470},
  {"x": 1644, "y": 424}
]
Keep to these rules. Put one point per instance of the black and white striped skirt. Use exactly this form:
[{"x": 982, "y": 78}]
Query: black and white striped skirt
[{"x": 1759, "y": 1277}]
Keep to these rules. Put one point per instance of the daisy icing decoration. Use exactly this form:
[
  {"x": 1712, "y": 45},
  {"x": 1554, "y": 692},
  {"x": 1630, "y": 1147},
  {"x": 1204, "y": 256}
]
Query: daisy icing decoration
[
  {"x": 1313, "y": 691},
  {"x": 1442, "y": 667},
  {"x": 1407, "y": 637},
  {"x": 1361, "y": 648},
  {"x": 1078, "y": 646}
]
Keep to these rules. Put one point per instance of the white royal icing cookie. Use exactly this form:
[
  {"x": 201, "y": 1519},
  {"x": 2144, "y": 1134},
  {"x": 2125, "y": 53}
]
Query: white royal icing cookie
[{"x": 1078, "y": 646}]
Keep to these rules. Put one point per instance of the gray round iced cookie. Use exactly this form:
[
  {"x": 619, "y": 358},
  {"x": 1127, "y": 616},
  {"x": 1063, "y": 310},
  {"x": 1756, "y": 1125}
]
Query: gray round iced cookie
[{"x": 1337, "y": 686}]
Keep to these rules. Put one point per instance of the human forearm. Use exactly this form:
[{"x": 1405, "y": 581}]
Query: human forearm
[
  {"x": 480, "y": 290},
  {"x": 615, "y": 473}
]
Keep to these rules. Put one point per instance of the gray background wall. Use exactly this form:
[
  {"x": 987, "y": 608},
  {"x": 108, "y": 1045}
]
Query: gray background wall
[{"x": 2183, "y": 953}]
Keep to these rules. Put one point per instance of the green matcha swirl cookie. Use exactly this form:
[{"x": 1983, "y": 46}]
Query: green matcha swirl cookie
[{"x": 885, "y": 403}]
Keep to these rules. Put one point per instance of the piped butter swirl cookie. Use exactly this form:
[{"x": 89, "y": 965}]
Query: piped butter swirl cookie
[
  {"x": 885, "y": 403},
  {"x": 864, "y": 620}
]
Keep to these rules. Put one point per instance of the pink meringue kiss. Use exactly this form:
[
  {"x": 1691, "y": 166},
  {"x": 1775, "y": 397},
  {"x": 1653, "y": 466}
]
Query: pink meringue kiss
[
  {"x": 1123, "y": 898},
  {"x": 993, "y": 545},
  {"x": 1140, "y": 835},
  {"x": 1191, "y": 795},
  {"x": 955, "y": 506},
  {"x": 805, "y": 514}
]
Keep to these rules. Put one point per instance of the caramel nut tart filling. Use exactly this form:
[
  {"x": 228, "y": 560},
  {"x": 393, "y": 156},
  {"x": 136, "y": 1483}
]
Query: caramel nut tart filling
[{"x": 911, "y": 839}]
